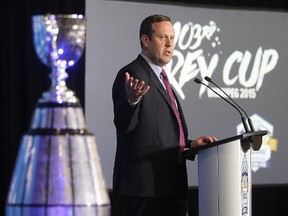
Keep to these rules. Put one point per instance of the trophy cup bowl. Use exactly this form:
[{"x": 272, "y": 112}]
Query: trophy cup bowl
[
  {"x": 58, "y": 170},
  {"x": 59, "y": 41}
]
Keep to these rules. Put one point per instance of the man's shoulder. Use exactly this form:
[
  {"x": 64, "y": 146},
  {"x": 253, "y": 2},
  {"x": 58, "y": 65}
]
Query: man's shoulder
[{"x": 137, "y": 64}]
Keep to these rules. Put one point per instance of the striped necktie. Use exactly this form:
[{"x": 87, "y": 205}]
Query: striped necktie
[{"x": 175, "y": 109}]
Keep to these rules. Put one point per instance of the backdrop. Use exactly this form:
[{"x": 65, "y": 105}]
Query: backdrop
[{"x": 244, "y": 51}]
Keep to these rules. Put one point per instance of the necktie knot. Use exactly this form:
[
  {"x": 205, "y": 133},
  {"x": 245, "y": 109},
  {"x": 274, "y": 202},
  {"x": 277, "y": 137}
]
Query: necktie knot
[{"x": 164, "y": 75}]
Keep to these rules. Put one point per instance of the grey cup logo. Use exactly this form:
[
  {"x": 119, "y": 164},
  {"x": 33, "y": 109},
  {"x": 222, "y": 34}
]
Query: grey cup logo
[
  {"x": 198, "y": 51},
  {"x": 262, "y": 159},
  {"x": 244, "y": 186}
]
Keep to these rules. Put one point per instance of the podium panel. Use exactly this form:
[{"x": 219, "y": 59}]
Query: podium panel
[
  {"x": 225, "y": 180},
  {"x": 225, "y": 177}
]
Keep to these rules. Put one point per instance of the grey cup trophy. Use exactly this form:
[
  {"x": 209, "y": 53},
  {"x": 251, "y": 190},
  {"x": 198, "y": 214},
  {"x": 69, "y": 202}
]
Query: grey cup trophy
[
  {"x": 58, "y": 169},
  {"x": 59, "y": 41}
]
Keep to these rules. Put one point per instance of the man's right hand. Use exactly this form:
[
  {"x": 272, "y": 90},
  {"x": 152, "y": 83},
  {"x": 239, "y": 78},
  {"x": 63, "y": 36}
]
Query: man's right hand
[{"x": 134, "y": 89}]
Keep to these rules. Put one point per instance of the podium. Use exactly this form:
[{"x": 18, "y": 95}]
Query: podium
[{"x": 224, "y": 175}]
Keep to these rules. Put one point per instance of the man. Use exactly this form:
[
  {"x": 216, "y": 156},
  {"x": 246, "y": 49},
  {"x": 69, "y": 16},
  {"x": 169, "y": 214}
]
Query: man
[{"x": 149, "y": 172}]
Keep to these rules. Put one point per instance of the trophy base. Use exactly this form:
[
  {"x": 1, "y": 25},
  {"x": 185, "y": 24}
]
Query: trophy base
[{"x": 58, "y": 169}]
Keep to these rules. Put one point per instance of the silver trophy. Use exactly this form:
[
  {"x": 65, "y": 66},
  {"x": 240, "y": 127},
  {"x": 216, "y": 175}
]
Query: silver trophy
[
  {"x": 58, "y": 169},
  {"x": 59, "y": 41}
]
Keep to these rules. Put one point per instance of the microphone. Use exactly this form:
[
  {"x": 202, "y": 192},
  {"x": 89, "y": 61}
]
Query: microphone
[
  {"x": 249, "y": 120},
  {"x": 242, "y": 117}
]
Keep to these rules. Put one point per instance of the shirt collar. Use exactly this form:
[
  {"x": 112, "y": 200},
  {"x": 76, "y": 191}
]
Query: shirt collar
[{"x": 156, "y": 68}]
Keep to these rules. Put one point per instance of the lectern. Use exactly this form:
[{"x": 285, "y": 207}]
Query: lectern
[{"x": 225, "y": 176}]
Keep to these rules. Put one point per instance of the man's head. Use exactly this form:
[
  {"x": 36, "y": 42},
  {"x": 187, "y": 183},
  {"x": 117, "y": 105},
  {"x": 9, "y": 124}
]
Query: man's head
[{"x": 157, "y": 38}]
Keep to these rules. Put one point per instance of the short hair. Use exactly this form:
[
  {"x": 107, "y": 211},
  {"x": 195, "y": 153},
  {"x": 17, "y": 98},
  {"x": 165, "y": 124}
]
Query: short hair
[{"x": 146, "y": 25}]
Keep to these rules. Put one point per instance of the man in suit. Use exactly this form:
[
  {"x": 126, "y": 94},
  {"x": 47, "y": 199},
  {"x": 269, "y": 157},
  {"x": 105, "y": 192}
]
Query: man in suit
[{"x": 149, "y": 171}]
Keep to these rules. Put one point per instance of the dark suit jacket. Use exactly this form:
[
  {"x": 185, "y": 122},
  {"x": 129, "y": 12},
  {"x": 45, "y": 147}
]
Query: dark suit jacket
[{"x": 147, "y": 154}]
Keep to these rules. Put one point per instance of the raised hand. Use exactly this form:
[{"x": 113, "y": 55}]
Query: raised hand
[{"x": 134, "y": 88}]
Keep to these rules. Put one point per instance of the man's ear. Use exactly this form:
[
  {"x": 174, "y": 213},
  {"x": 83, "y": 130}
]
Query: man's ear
[{"x": 144, "y": 40}]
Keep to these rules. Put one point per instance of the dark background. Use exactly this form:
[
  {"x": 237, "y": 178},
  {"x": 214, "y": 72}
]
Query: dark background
[{"x": 24, "y": 78}]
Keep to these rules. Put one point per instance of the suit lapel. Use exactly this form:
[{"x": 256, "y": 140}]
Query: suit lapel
[
  {"x": 155, "y": 80},
  {"x": 148, "y": 70}
]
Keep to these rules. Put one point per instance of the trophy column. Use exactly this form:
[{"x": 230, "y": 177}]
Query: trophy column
[{"x": 58, "y": 170}]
